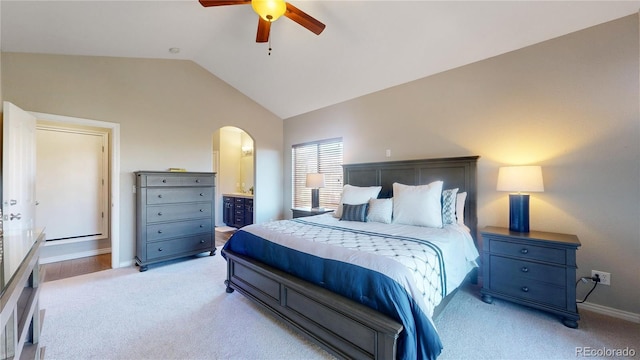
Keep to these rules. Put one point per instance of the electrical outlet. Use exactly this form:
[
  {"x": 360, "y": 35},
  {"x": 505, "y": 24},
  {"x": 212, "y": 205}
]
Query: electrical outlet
[{"x": 605, "y": 277}]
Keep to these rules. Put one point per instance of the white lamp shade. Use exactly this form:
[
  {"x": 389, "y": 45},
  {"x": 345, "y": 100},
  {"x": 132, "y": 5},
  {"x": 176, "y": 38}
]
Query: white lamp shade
[
  {"x": 315, "y": 181},
  {"x": 520, "y": 179}
]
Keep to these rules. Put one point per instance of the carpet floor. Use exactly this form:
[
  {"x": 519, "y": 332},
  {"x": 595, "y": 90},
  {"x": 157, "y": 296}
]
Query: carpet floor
[{"x": 180, "y": 310}]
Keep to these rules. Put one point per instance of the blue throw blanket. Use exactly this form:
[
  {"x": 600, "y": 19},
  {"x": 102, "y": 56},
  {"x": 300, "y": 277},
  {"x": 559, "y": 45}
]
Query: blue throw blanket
[{"x": 418, "y": 340}]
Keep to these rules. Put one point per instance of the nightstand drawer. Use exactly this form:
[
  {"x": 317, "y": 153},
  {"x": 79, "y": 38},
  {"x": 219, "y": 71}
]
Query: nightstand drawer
[
  {"x": 501, "y": 266},
  {"x": 530, "y": 290},
  {"x": 528, "y": 251}
]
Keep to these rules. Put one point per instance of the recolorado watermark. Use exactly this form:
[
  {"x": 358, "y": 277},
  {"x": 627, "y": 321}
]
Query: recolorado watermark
[{"x": 587, "y": 351}]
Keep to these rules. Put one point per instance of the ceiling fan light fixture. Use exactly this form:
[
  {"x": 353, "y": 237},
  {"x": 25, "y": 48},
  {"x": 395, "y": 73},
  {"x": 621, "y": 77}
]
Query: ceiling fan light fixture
[{"x": 269, "y": 10}]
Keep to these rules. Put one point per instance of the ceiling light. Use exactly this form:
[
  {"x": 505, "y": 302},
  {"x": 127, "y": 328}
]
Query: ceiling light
[{"x": 269, "y": 10}]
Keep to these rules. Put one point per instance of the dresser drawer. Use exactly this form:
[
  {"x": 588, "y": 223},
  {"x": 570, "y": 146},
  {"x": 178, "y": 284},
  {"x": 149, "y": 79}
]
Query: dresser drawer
[
  {"x": 530, "y": 290},
  {"x": 178, "y": 212},
  {"x": 173, "y": 180},
  {"x": 172, "y": 247},
  {"x": 529, "y": 270},
  {"x": 172, "y": 229},
  {"x": 178, "y": 195},
  {"x": 528, "y": 251}
]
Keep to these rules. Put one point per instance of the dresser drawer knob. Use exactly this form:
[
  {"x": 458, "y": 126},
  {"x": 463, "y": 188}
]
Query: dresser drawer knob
[
  {"x": 524, "y": 251},
  {"x": 160, "y": 196},
  {"x": 201, "y": 210},
  {"x": 159, "y": 231},
  {"x": 164, "y": 181},
  {"x": 159, "y": 213},
  {"x": 201, "y": 241},
  {"x": 525, "y": 289},
  {"x": 201, "y": 225},
  {"x": 524, "y": 269},
  {"x": 197, "y": 180},
  {"x": 159, "y": 249}
]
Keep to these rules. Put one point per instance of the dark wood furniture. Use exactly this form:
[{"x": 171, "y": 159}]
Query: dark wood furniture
[
  {"x": 19, "y": 302},
  {"x": 536, "y": 269},
  {"x": 237, "y": 210},
  {"x": 174, "y": 215},
  {"x": 343, "y": 327},
  {"x": 306, "y": 211}
]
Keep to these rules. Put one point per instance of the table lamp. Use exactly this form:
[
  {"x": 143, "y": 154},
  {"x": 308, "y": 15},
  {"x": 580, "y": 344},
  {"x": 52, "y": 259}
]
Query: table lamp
[
  {"x": 519, "y": 179},
  {"x": 315, "y": 182}
]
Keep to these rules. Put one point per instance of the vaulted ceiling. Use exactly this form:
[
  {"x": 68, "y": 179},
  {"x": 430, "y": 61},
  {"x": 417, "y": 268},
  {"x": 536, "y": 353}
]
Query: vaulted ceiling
[{"x": 367, "y": 45}]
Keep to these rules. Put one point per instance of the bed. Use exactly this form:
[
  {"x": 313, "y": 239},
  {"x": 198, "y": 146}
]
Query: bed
[{"x": 356, "y": 285}]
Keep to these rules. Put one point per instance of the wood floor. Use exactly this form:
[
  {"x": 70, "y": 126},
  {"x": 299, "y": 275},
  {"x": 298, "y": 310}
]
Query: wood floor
[{"x": 86, "y": 265}]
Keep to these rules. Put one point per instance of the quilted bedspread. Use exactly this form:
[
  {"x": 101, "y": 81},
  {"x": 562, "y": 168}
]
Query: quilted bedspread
[{"x": 401, "y": 276}]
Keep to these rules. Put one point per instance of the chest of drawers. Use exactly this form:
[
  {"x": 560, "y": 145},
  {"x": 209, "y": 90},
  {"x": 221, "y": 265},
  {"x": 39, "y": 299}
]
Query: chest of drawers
[
  {"x": 174, "y": 215},
  {"x": 536, "y": 269}
]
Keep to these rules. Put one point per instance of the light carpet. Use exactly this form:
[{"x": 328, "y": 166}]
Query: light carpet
[{"x": 180, "y": 310}]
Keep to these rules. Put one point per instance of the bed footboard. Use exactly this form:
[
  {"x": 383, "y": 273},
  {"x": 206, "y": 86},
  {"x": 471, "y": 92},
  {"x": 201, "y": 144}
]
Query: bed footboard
[{"x": 341, "y": 326}]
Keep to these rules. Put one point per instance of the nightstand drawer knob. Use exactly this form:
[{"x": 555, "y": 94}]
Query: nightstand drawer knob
[
  {"x": 524, "y": 269},
  {"x": 524, "y": 251},
  {"x": 525, "y": 289}
]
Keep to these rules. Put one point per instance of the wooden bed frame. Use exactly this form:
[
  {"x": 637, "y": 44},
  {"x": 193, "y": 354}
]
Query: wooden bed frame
[{"x": 341, "y": 326}]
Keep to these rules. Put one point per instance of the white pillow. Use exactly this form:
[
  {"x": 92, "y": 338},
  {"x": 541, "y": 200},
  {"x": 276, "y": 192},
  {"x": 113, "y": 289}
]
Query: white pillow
[
  {"x": 355, "y": 195},
  {"x": 380, "y": 210},
  {"x": 460, "y": 200},
  {"x": 418, "y": 205}
]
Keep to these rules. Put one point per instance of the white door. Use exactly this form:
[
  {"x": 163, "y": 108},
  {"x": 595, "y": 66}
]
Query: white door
[
  {"x": 18, "y": 186},
  {"x": 18, "y": 170},
  {"x": 71, "y": 173}
]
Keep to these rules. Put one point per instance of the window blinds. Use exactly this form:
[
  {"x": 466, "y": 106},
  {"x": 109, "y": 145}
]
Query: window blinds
[{"x": 323, "y": 157}]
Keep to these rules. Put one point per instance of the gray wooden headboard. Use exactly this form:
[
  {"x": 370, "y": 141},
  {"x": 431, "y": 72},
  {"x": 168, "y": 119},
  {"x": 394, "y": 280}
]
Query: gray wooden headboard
[{"x": 457, "y": 172}]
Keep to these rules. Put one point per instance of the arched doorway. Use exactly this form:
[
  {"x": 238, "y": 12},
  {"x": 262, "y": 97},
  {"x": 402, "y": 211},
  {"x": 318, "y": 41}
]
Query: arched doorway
[{"x": 234, "y": 163}]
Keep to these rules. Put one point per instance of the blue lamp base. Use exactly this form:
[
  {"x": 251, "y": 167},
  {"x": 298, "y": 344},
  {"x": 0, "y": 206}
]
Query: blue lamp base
[
  {"x": 519, "y": 212},
  {"x": 315, "y": 198}
]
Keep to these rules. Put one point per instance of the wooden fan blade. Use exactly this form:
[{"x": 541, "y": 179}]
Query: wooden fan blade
[
  {"x": 304, "y": 19},
  {"x": 208, "y": 3},
  {"x": 264, "y": 27}
]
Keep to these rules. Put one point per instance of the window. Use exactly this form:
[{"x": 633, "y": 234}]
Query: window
[{"x": 324, "y": 157}]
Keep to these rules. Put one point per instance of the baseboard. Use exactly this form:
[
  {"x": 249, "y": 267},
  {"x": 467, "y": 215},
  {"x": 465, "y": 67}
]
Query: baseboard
[
  {"x": 620, "y": 314},
  {"x": 75, "y": 255}
]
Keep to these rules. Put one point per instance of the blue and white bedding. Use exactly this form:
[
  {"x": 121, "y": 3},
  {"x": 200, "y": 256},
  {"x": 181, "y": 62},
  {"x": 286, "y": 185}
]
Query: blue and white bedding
[{"x": 402, "y": 271}]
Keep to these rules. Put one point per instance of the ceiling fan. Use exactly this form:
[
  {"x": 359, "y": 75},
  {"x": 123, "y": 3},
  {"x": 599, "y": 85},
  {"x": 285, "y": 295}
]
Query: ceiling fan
[{"x": 270, "y": 11}]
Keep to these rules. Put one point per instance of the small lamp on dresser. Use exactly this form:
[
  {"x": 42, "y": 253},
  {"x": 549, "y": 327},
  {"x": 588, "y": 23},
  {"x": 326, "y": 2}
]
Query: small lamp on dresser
[
  {"x": 315, "y": 182},
  {"x": 519, "y": 179}
]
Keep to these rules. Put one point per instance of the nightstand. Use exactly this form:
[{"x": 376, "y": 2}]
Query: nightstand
[
  {"x": 536, "y": 269},
  {"x": 305, "y": 211}
]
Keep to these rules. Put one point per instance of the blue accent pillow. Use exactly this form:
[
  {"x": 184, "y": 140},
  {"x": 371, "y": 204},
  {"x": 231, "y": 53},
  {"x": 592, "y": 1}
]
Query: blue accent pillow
[{"x": 354, "y": 212}]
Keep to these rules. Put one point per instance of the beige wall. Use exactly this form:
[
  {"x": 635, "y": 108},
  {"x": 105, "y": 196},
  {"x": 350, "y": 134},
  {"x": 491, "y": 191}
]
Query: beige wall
[
  {"x": 569, "y": 104},
  {"x": 168, "y": 111}
]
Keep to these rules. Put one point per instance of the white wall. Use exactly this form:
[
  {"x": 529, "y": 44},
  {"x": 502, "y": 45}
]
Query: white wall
[{"x": 570, "y": 104}]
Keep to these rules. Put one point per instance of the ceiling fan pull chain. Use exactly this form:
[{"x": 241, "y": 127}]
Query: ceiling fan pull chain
[{"x": 269, "y": 42}]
